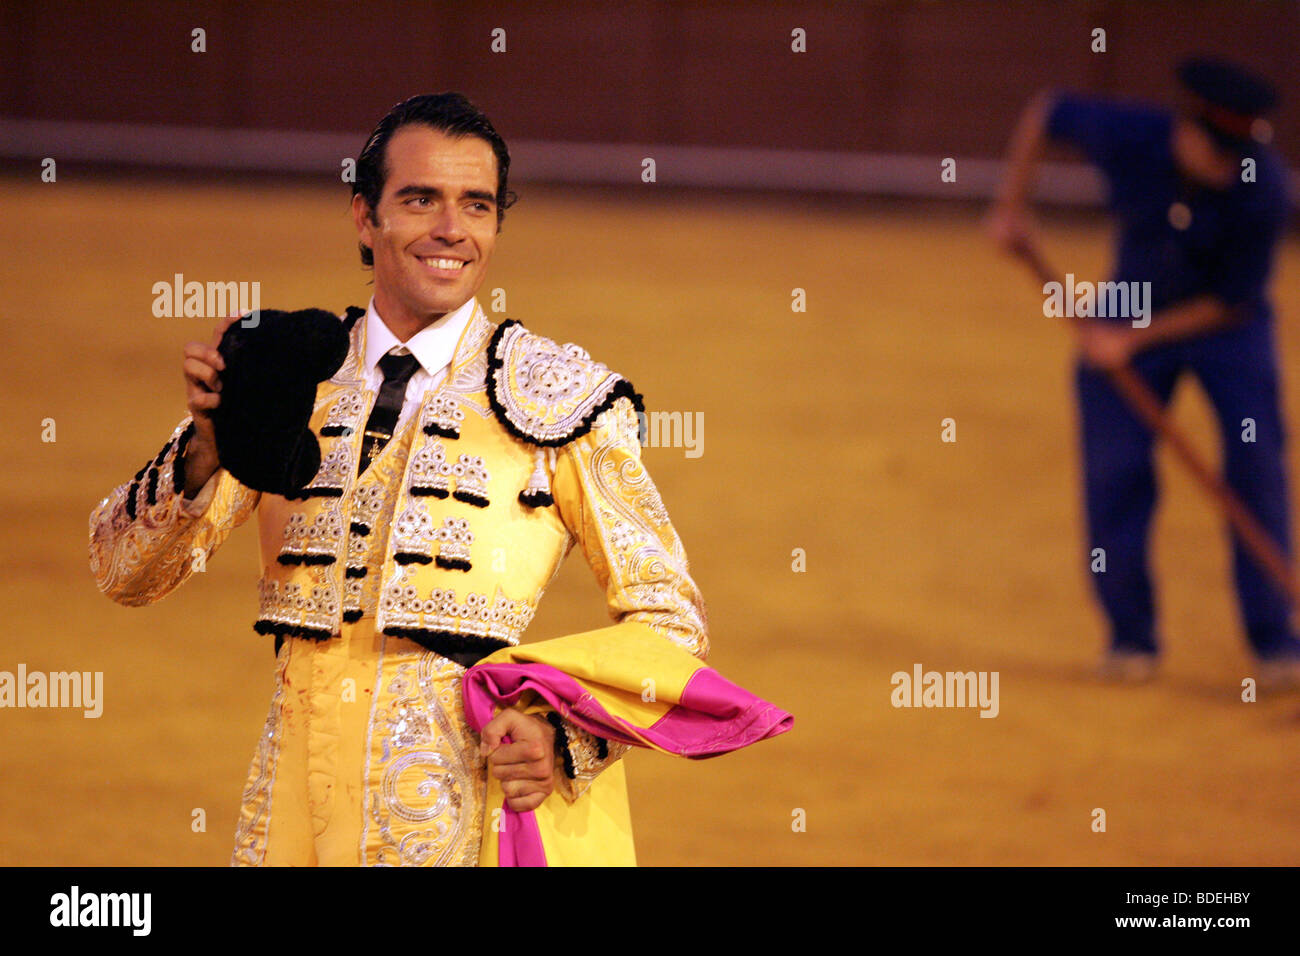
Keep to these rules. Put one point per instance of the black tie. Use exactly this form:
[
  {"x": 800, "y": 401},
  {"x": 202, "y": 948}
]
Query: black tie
[{"x": 398, "y": 370}]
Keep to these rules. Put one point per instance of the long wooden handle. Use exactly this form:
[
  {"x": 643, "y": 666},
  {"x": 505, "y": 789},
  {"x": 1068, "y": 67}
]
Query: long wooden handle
[{"x": 1259, "y": 544}]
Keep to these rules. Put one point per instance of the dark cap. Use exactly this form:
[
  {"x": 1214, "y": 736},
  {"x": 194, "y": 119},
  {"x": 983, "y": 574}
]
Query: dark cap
[{"x": 1228, "y": 101}]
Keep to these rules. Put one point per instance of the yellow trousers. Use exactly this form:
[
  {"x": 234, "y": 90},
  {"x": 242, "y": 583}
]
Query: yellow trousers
[{"x": 365, "y": 759}]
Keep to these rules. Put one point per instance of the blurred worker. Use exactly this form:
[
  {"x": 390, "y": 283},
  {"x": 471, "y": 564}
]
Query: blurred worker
[{"x": 1200, "y": 203}]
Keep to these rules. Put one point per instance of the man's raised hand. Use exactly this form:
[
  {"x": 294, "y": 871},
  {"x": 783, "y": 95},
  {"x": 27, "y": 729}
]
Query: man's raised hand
[{"x": 202, "y": 366}]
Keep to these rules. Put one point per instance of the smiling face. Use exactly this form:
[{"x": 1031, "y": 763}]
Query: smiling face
[{"x": 435, "y": 227}]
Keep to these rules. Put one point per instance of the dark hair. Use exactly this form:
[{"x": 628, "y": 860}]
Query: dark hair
[{"x": 449, "y": 112}]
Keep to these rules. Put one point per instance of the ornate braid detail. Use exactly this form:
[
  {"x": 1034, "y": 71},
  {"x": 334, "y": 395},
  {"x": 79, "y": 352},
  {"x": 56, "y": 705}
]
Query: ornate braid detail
[
  {"x": 546, "y": 393},
  {"x": 291, "y": 613},
  {"x": 454, "y": 539},
  {"x": 414, "y": 535},
  {"x": 442, "y": 416},
  {"x": 333, "y": 475},
  {"x": 427, "y": 809},
  {"x": 367, "y": 505},
  {"x": 255, "y": 801},
  {"x": 430, "y": 472},
  {"x": 311, "y": 544},
  {"x": 471, "y": 480},
  {"x": 342, "y": 415},
  {"x": 406, "y": 614}
]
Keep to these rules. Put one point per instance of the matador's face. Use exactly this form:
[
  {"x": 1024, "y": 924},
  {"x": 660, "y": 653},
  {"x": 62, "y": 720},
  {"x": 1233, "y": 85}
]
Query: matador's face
[{"x": 437, "y": 223}]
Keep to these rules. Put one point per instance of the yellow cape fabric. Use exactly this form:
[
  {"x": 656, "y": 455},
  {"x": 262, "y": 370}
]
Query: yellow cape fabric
[{"x": 621, "y": 666}]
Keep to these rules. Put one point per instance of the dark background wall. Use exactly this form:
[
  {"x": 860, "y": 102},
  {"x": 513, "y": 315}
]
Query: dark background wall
[{"x": 919, "y": 77}]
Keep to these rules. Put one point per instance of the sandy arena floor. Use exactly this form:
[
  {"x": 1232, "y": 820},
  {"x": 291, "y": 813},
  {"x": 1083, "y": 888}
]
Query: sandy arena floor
[{"x": 822, "y": 432}]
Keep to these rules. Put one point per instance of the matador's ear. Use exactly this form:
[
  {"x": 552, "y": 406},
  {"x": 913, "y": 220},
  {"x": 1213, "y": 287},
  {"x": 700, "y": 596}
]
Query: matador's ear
[{"x": 268, "y": 392}]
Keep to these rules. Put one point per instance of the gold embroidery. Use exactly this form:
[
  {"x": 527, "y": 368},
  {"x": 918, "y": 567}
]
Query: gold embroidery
[
  {"x": 428, "y": 807},
  {"x": 253, "y": 830}
]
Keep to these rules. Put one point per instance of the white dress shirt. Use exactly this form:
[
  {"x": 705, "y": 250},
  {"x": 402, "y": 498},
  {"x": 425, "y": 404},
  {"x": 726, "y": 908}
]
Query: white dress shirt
[{"x": 433, "y": 346}]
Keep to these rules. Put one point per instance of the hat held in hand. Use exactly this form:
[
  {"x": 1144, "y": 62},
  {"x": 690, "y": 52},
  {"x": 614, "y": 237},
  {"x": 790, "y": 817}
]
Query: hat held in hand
[{"x": 268, "y": 393}]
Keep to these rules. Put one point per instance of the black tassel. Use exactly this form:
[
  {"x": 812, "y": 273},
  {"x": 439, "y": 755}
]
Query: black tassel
[
  {"x": 355, "y": 572},
  {"x": 453, "y": 564},
  {"x": 302, "y": 557},
  {"x": 562, "y": 742},
  {"x": 151, "y": 489},
  {"x": 281, "y": 629},
  {"x": 441, "y": 431},
  {"x": 178, "y": 460},
  {"x": 478, "y": 501},
  {"x": 330, "y": 431},
  {"x": 410, "y": 557},
  {"x": 130, "y": 498},
  {"x": 425, "y": 491},
  {"x": 352, "y": 616},
  {"x": 358, "y": 528},
  {"x": 536, "y": 499}
]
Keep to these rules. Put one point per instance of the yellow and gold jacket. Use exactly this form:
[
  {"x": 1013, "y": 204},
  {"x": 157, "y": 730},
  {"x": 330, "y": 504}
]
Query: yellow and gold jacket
[{"x": 526, "y": 448}]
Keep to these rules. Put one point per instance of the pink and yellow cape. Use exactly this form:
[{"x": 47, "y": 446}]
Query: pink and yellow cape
[{"x": 636, "y": 688}]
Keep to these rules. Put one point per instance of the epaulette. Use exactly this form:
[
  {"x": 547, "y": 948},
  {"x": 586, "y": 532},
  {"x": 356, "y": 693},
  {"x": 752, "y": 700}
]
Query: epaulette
[{"x": 546, "y": 393}]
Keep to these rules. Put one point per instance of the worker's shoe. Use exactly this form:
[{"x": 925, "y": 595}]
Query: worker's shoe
[{"x": 1127, "y": 666}]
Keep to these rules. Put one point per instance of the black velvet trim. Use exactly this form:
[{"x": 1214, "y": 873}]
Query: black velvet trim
[
  {"x": 452, "y": 564},
  {"x": 279, "y": 639},
  {"x": 315, "y": 492},
  {"x": 330, "y": 431},
  {"x": 350, "y": 316},
  {"x": 354, "y": 572},
  {"x": 302, "y": 557},
  {"x": 151, "y": 487},
  {"x": 410, "y": 557},
  {"x": 352, "y": 616},
  {"x": 426, "y": 491},
  {"x": 280, "y": 629},
  {"x": 622, "y": 389},
  {"x": 178, "y": 460},
  {"x": 357, "y": 527},
  {"x": 478, "y": 501},
  {"x": 536, "y": 499},
  {"x": 465, "y": 649},
  {"x": 130, "y": 498},
  {"x": 602, "y": 748},
  {"x": 441, "y": 431},
  {"x": 562, "y": 742}
]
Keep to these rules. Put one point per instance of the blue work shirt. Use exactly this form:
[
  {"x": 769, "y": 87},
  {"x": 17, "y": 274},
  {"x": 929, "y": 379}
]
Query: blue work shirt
[{"x": 1228, "y": 245}]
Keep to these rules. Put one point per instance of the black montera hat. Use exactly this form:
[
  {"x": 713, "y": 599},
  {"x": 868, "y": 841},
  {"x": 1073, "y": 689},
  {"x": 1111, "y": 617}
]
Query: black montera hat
[
  {"x": 1228, "y": 100},
  {"x": 268, "y": 392}
]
